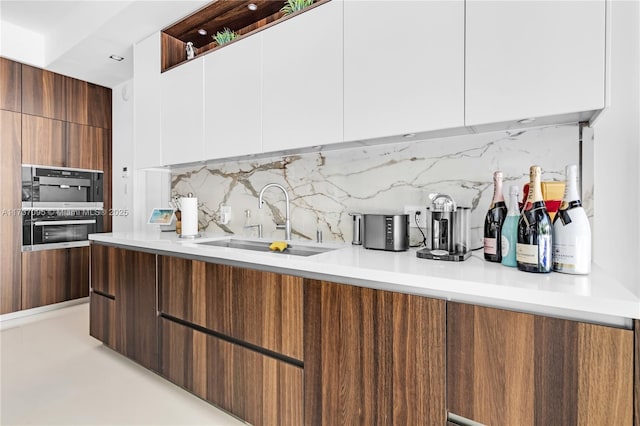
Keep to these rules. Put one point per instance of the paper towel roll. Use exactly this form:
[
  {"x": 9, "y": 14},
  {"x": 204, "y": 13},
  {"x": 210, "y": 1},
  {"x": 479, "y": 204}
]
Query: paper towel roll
[{"x": 189, "y": 209}]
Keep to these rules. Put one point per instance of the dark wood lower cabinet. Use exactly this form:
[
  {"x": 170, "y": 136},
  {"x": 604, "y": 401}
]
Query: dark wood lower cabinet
[
  {"x": 257, "y": 388},
  {"x": 261, "y": 308},
  {"x": 508, "y": 368},
  {"x": 102, "y": 319},
  {"x": 129, "y": 278},
  {"x": 136, "y": 314},
  {"x": 53, "y": 276},
  {"x": 372, "y": 357}
]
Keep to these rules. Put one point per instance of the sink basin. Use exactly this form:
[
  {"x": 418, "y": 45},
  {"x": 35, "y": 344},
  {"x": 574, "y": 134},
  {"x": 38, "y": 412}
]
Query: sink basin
[{"x": 293, "y": 249}]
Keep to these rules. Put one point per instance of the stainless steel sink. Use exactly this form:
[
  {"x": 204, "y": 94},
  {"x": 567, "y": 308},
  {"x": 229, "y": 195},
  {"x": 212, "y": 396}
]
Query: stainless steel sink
[{"x": 295, "y": 250}]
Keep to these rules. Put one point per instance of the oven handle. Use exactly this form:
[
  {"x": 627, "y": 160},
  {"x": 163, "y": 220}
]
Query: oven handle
[{"x": 64, "y": 222}]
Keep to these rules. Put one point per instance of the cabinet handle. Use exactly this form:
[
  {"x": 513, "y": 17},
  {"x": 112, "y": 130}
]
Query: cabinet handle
[{"x": 462, "y": 421}]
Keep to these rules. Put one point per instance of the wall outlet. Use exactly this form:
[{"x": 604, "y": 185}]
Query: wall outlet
[
  {"x": 225, "y": 215},
  {"x": 422, "y": 215}
]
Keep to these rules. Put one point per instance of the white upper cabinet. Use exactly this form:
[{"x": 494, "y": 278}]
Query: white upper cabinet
[
  {"x": 403, "y": 67},
  {"x": 302, "y": 80},
  {"x": 533, "y": 58},
  {"x": 146, "y": 102},
  {"x": 232, "y": 98},
  {"x": 183, "y": 113}
]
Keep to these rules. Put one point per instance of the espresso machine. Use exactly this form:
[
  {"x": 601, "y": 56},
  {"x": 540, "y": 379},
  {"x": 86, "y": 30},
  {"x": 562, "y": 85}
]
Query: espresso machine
[{"x": 447, "y": 230}]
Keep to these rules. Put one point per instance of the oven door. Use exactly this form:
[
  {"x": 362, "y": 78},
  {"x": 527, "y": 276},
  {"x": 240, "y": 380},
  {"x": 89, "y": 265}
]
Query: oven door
[{"x": 50, "y": 230}]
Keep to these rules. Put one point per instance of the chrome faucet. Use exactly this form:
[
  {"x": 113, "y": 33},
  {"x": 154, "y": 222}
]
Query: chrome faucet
[{"x": 287, "y": 224}]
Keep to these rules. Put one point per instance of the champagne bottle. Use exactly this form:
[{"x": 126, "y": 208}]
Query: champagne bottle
[
  {"x": 493, "y": 221},
  {"x": 509, "y": 230},
  {"x": 535, "y": 231},
  {"x": 571, "y": 230}
]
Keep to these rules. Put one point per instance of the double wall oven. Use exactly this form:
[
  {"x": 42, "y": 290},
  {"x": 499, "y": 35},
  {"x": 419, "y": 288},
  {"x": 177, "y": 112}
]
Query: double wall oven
[{"x": 60, "y": 206}]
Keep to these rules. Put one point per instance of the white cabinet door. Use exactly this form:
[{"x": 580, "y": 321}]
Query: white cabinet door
[
  {"x": 302, "y": 80},
  {"x": 232, "y": 99},
  {"x": 403, "y": 67},
  {"x": 182, "y": 113},
  {"x": 146, "y": 102},
  {"x": 533, "y": 58}
]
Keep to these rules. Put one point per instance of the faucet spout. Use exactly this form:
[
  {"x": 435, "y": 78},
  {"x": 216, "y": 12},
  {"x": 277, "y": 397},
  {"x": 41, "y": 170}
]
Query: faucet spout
[{"x": 287, "y": 223}]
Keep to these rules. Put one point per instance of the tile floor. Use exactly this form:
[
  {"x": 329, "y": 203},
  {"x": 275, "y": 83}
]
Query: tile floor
[{"x": 53, "y": 373}]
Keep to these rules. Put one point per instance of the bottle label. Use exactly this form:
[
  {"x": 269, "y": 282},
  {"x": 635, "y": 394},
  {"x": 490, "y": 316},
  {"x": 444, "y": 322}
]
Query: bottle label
[
  {"x": 571, "y": 258},
  {"x": 527, "y": 253},
  {"x": 537, "y": 255},
  {"x": 534, "y": 254},
  {"x": 490, "y": 245},
  {"x": 504, "y": 246}
]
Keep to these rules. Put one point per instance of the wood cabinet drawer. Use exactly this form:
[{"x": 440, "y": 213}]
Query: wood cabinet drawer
[
  {"x": 102, "y": 315},
  {"x": 257, "y": 388},
  {"x": 260, "y": 308},
  {"x": 507, "y": 368},
  {"x": 372, "y": 357},
  {"x": 53, "y": 276}
]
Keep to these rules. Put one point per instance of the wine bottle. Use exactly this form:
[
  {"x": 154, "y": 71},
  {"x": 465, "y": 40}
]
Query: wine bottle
[
  {"x": 493, "y": 221},
  {"x": 571, "y": 230},
  {"x": 535, "y": 230},
  {"x": 509, "y": 230}
]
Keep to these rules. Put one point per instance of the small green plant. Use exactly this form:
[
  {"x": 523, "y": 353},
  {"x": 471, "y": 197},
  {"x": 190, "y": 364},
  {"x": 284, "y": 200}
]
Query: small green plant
[
  {"x": 224, "y": 36},
  {"x": 291, "y": 6}
]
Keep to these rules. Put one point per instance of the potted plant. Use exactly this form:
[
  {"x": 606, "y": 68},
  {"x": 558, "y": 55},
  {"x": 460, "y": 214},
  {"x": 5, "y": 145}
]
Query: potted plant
[
  {"x": 224, "y": 36},
  {"x": 291, "y": 6}
]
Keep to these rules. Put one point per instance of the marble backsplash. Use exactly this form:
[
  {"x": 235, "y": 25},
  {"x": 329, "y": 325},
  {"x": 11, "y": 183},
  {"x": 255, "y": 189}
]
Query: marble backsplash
[{"x": 325, "y": 186}]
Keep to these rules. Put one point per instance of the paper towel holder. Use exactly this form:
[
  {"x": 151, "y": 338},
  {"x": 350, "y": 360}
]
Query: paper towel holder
[{"x": 189, "y": 237}]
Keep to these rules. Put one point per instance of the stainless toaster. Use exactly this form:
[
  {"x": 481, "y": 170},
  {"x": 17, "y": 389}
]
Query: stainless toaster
[{"x": 388, "y": 232}]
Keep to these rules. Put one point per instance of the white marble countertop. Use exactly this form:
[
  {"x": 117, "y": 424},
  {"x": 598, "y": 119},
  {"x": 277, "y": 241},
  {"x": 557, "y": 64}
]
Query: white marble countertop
[{"x": 595, "y": 297}]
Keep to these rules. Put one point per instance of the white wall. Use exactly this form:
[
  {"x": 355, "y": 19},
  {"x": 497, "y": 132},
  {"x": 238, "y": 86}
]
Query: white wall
[
  {"x": 616, "y": 232},
  {"x": 139, "y": 191},
  {"x": 21, "y": 44},
  {"x": 122, "y": 152}
]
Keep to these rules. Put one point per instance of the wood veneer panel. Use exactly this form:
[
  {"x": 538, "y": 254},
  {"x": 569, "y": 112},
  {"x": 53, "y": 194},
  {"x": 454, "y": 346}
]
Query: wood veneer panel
[
  {"x": 636, "y": 374},
  {"x": 252, "y": 386},
  {"x": 217, "y": 15},
  {"x": 10, "y": 203},
  {"x": 260, "y": 308},
  {"x": 104, "y": 163},
  {"x": 85, "y": 146},
  {"x": 372, "y": 357},
  {"x": 105, "y": 272},
  {"x": 99, "y": 106},
  {"x": 43, "y": 141},
  {"x": 10, "y": 85},
  {"x": 78, "y": 280},
  {"x": 173, "y": 51},
  {"x": 87, "y": 103},
  {"x": 102, "y": 324},
  {"x": 76, "y": 99},
  {"x": 136, "y": 319},
  {"x": 53, "y": 276},
  {"x": 43, "y": 93},
  {"x": 506, "y": 368},
  {"x": 605, "y": 375}
]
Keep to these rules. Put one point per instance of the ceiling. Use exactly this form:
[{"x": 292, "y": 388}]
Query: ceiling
[{"x": 76, "y": 37}]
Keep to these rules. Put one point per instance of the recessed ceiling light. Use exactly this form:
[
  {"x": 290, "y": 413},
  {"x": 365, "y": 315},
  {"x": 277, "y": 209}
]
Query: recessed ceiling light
[
  {"x": 116, "y": 58},
  {"x": 252, "y": 6},
  {"x": 526, "y": 120},
  {"x": 409, "y": 135},
  {"x": 202, "y": 31}
]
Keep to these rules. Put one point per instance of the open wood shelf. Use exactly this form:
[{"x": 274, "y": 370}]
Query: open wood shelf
[{"x": 216, "y": 16}]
